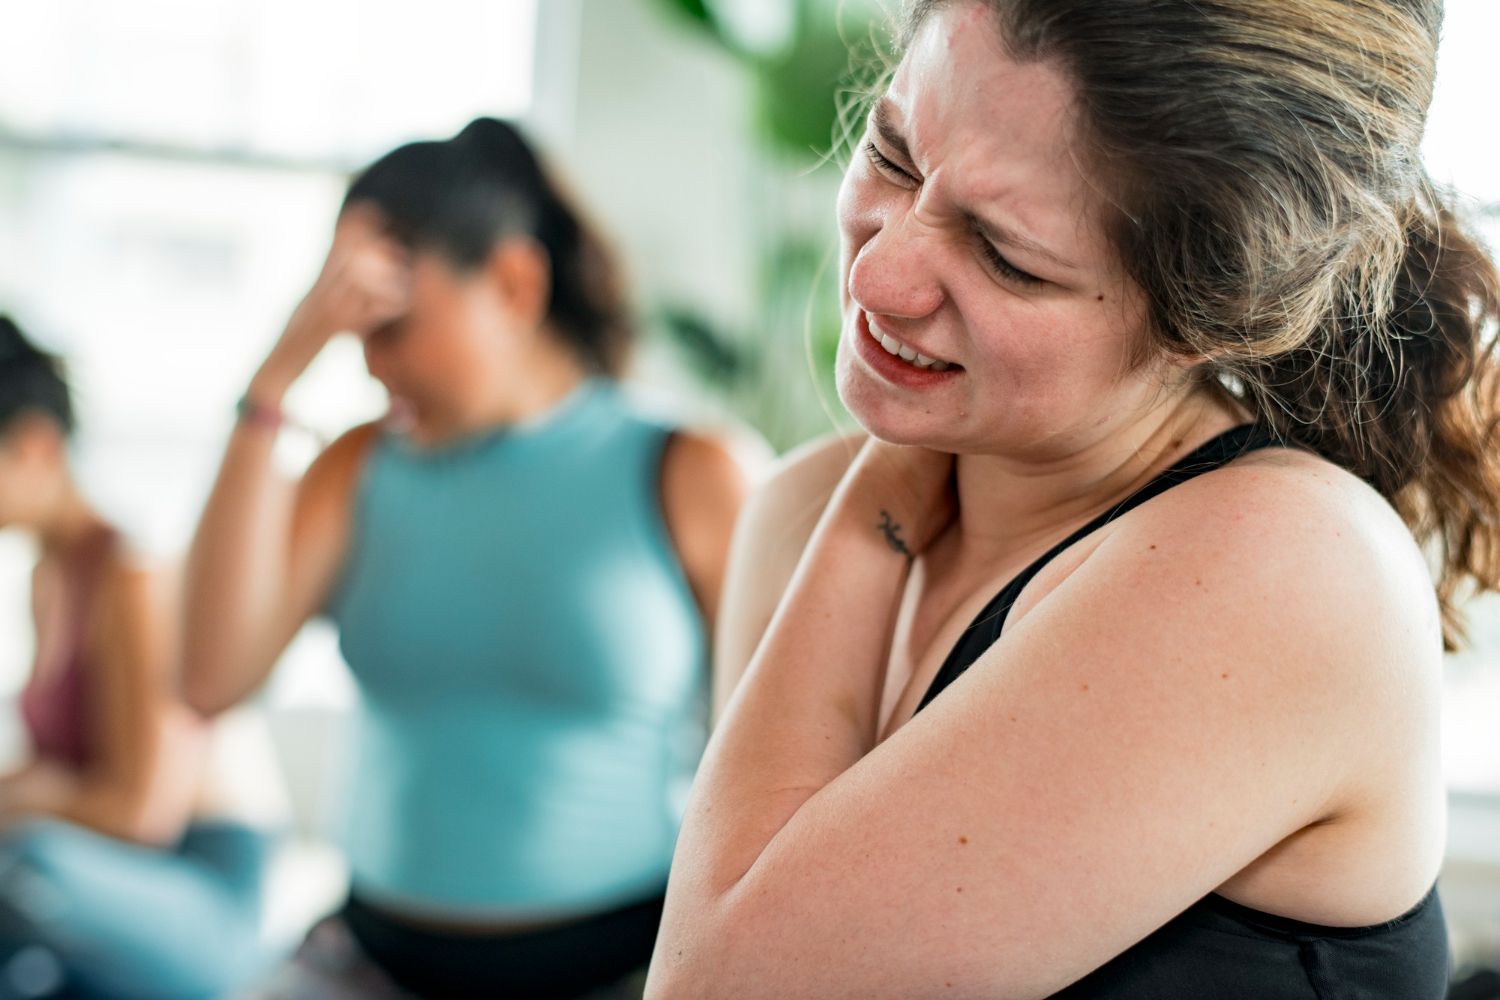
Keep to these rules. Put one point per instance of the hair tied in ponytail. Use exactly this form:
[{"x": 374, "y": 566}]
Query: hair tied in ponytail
[{"x": 499, "y": 143}]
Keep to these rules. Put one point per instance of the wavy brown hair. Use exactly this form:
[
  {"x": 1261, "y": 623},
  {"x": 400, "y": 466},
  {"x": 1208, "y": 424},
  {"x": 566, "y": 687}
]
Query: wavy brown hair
[{"x": 1262, "y": 158}]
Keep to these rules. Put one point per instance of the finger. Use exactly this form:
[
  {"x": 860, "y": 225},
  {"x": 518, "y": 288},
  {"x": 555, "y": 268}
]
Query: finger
[
  {"x": 384, "y": 278},
  {"x": 361, "y": 221}
]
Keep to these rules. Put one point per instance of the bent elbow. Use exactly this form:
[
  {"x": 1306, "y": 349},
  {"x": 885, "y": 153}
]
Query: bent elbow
[
  {"x": 679, "y": 979},
  {"x": 710, "y": 961},
  {"x": 201, "y": 694},
  {"x": 206, "y": 680},
  {"x": 209, "y": 693}
]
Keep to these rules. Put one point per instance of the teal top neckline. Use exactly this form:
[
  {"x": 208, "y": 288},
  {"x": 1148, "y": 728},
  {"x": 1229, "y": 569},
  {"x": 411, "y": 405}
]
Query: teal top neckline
[{"x": 556, "y": 417}]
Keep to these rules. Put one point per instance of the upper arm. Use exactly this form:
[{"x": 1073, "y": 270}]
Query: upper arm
[
  {"x": 318, "y": 542},
  {"x": 143, "y": 764},
  {"x": 264, "y": 560},
  {"x": 704, "y": 484},
  {"x": 1199, "y": 689},
  {"x": 776, "y": 524}
]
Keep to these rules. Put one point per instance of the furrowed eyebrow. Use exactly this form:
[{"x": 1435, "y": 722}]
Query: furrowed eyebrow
[
  {"x": 1002, "y": 236},
  {"x": 890, "y": 135},
  {"x": 886, "y": 129}
]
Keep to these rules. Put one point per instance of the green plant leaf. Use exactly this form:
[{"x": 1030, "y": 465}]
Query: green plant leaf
[
  {"x": 699, "y": 13},
  {"x": 709, "y": 351}
]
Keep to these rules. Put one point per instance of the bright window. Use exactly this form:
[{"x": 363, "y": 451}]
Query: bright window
[
  {"x": 1462, "y": 149},
  {"x": 169, "y": 172}
]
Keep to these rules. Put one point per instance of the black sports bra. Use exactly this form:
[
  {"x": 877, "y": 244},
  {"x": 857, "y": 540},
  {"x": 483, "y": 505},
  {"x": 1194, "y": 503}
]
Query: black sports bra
[{"x": 1218, "y": 949}]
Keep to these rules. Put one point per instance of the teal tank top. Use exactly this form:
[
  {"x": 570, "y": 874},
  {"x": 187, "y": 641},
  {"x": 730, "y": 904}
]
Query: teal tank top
[{"x": 531, "y": 667}]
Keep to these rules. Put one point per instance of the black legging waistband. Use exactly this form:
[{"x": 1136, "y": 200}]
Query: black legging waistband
[{"x": 552, "y": 964}]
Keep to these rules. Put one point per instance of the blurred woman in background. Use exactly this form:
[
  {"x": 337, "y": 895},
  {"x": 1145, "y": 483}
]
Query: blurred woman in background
[
  {"x": 522, "y": 566},
  {"x": 124, "y": 871}
]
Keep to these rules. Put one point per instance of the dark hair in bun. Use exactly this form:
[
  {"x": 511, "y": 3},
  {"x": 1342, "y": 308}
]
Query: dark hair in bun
[
  {"x": 461, "y": 196},
  {"x": 31, "y": 380}
]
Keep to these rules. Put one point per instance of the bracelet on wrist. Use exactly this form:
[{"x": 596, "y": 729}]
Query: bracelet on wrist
[{"x": 256, "y": 414}]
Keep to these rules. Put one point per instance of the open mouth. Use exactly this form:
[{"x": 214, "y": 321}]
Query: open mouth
[{"x": 907, "y": 353}]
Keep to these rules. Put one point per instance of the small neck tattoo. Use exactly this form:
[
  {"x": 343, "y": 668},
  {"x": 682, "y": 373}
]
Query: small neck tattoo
[{"x": 892, "y": 532}]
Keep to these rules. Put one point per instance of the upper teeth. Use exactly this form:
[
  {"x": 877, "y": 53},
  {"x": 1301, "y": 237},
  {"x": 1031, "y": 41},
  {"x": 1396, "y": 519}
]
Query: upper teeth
[{"x": 900, "y": 350}]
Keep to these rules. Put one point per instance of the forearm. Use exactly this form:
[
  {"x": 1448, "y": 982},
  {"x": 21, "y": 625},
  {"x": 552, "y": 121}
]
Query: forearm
[
  {"x": 235, "y": 572},
  {"x": 46, "y": 790},
  {"x": 805, "y": 716},
  {"x": 242, "y": 605},
  {"x": 808, "y": 708}
]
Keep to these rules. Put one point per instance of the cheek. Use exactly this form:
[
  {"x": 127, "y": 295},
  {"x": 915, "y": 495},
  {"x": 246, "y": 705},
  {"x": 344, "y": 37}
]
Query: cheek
[
  {"x": 1051, "y": 353},
  {"x": 438, "y": 331},
  {"x": 434, "y": 356},
  {"x": 460, "y": 361},
  {"x": 14, "y": 485},
  {"x": 432, "y": 342}
]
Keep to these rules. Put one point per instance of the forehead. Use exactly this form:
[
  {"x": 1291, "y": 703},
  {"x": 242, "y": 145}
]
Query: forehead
[{"x": 992, "y": 134}]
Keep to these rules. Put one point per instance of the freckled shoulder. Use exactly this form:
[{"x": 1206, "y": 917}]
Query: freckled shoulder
[
  {"x": 1281, "y": 605},
  {"x": 1290, "y": 534}
]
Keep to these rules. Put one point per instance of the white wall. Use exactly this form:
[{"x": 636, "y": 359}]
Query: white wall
[{"x": 652, "y": 130}]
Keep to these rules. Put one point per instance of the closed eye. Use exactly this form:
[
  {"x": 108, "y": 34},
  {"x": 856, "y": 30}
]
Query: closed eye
[
  {"x": 1004, "y": 268},
  {"x": 993, "y": 260},
  {"x": 887, "y": 167}
]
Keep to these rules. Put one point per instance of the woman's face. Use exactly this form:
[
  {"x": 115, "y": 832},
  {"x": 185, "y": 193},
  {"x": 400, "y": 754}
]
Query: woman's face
[
  {"x": 972, "y": 236},
  {"x": 462, "y": 342},
  {"x": 32, "y": 462},
  {"x": 443, "y": 348}
]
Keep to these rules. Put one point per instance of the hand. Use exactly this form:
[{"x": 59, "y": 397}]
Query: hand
[
  {"x": 905, "y": 493},
  {"x": 365, "y": 283}
]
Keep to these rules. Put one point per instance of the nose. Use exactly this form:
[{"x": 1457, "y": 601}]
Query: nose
[{"x": 890, "y": 274}]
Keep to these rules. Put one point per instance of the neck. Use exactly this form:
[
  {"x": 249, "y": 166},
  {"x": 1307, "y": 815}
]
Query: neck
[
  {"x": 548, "y": 379},
  {"x": 527, "y": 389},
  {"x": 69, "y": 522},
  {"x": 1013, "y": 504}
]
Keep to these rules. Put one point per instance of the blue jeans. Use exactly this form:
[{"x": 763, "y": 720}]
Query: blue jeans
[{"x": 121, "y": 921}]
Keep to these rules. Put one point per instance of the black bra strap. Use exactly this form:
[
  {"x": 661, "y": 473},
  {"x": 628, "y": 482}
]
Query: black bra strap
[{"x": 983, "y": 632}]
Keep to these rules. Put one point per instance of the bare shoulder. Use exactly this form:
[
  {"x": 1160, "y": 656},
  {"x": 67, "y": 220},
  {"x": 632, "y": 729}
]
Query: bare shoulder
[
  {"x": 326, "y": 491},
  {"x": 696, "y": 462},
  {"x": 705, "y": 479},
  {"x": 1281, "y": 604},
  {"x": 1280, "y": 573},
  {"x": 1285, "y": 545},
  {"x": 1295, "y": 510},
  {"x": 339, "y": 464},
  {"x": 322, "y": 516}
]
